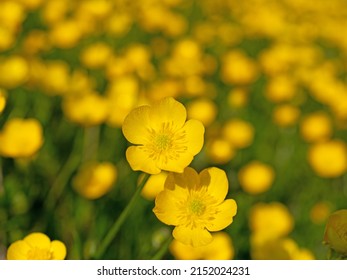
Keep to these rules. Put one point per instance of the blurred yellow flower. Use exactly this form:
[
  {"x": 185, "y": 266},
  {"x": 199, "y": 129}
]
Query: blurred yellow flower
[
  {"x": 164, "y": 139},
  {"x": 219, "y": 150},
  {"x": 238, "y": 132},
  {"x": 280, "y": 249},
  {"x": 280, "y": 88},
  {"x": 94, "y": 179},
  {"x": 87, "y": 109},
  {"x": 195, "y": 204},
  {"x": 96, "y": 55},
  {"x": 154, "y": 185},
  {"x": 202, "y": 109},
  {"x": 238, "y": 98},
  {"x": 336, "y": 231},
  {"x": 328, "y": 159},
  {"x": 20, "y": 138},
  {"x": 256, "y": 177},
  {"x": 238, "y": 69},
  {"x": 36, "y": 246},
  {"x": 14, "y": 71},
  {"x": 2, "y": 100},
  {"x": 270, "y": 220},
  {"x": 320, "y": 212},
  {"x": 285, "y": 115},
  {"x": 65, "y": 34},
  {"x": 316, "y": 127},
  {"x": 221, "y": 248}
]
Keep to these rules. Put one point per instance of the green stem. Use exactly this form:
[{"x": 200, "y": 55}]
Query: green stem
[
  {"x": 64, "y": 175},
  {"x": 121, "y": 219},
  {"x": 91, "y": 143},
  {"x": 163, "y": 249}
]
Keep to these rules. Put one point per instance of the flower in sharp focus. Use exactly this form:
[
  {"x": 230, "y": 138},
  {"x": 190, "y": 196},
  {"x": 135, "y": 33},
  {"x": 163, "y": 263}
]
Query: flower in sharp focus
[
  {"x": 195, "y": 204},
  {"x": 164, "y": 139},
  {"x": 36, "y": 246}
]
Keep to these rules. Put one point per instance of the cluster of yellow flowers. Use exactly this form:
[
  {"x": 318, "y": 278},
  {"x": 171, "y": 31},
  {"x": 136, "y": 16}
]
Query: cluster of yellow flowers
[{"x": 254, "y": 88}]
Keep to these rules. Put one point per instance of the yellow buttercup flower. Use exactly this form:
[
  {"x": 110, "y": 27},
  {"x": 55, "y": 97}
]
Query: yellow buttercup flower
[
  {"x": 270, "y": 220},
  {"x": 14, "y": 71},
  {"x": 195, "y": 204},
  {"x": 256, "y": 177},
  {"x": 95, "y": 179},
  {"x": 221, "y": 248},
  {"x": 219, "y": 150},
  {"x": 96, "y": 55},
  {"x": 315, "y": 127},
  {"x": 20, "y": 138},
  {"x": 285, "y": 115},
  {"x": 238, "y": 132},
  {"x": 36, "y": 246},
  {"x": 202, "y": 109},
  {"x": 164, "y": 139},
  {"x": 328, "y": 159},
  {"x": 336, "y": 231}
]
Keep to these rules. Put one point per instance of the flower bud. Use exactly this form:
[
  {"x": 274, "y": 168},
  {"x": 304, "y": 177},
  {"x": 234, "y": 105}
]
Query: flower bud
[{"x": 336, "y": 231}]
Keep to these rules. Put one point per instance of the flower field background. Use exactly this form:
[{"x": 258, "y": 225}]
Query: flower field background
[{"x": 257, "y": 89}]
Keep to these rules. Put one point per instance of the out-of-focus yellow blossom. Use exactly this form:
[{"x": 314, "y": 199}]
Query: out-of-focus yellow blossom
[
  {"x": 328, "y": 159},
  {"x": 238, "y": 132},
  {"x": 194, "y": 85},
  {"x": 31, "y": 4},
  {"x": 280, "y": 249},
  {"x": 316, "y": 127},
  {"x": 12, "y": 15},
  {"x": 14, "y": 71},
  {"x": 280, "y": 88},
  {"x": 220, "y": 151},
  {"x": 186, "y": 59},
  {"x": 95, "y": 179},
  {"x": 256, "y": 177},
  {"x": 65, "y": 34},
  {"x": 87, "y": 109},
  {"x": 21, "y": 138},
  {"x": 80, "y": 83},
  {"x": 119, "y": 23},
  {"x": 54, "y": 77},
  {"x": 54, "y": 11},
  {"x": 319, "y": 212},
  {"x": 238, "y": 69},
  {"x": 336, "y": 231},
  {"x": 2, "y": 100},
  {"x": 238, "y": 98},
  {"x": 123, "y": 95},
  {"x": 96, "y": 55},
  {"x": 221, "y": 248},
  {"x": 195, "y": 204},
  {"x": 154, "y": 185},
  {"x": 97, "y": 9},
  {"x": 165, "y": 88},
  {"x": 164, "y": 139},
  {"x": 36, "y": 246},
  {"x": 202, "y": 109},
  {"x": 270, "y": 220},
  {"x": 285, "y": 115},
  {"x": 7, "y": 38},
  {"x": 35, "y": 42}
]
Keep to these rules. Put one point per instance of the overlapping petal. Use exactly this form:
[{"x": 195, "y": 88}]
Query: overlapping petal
[
  {"x": 192, "y": 236},
  {"x": 223, "y": 215}
]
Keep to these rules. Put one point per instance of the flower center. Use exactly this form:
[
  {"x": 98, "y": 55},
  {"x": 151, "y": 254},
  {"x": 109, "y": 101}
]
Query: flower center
[
  {"x": 162, "y": 142},
  {"x": 196, "y": 207},
  {"x": 39, "y": 254}
]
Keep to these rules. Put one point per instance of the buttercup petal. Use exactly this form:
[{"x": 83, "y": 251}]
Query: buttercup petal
[
  {"x": 168, "y": 110},
  {"x": 192, "y": 236},
  {"x": 216, "y": 181},
  {"x": 140, "y": 160},
  {"x": 18, "y": 250},
  {"x": 136, "y": 125},
  {"x": 38, "y": 240},
  {"x": 58, "y": 250},
  {"x": 194, "y": 136},
  {"x": 223, "y": 216}
]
